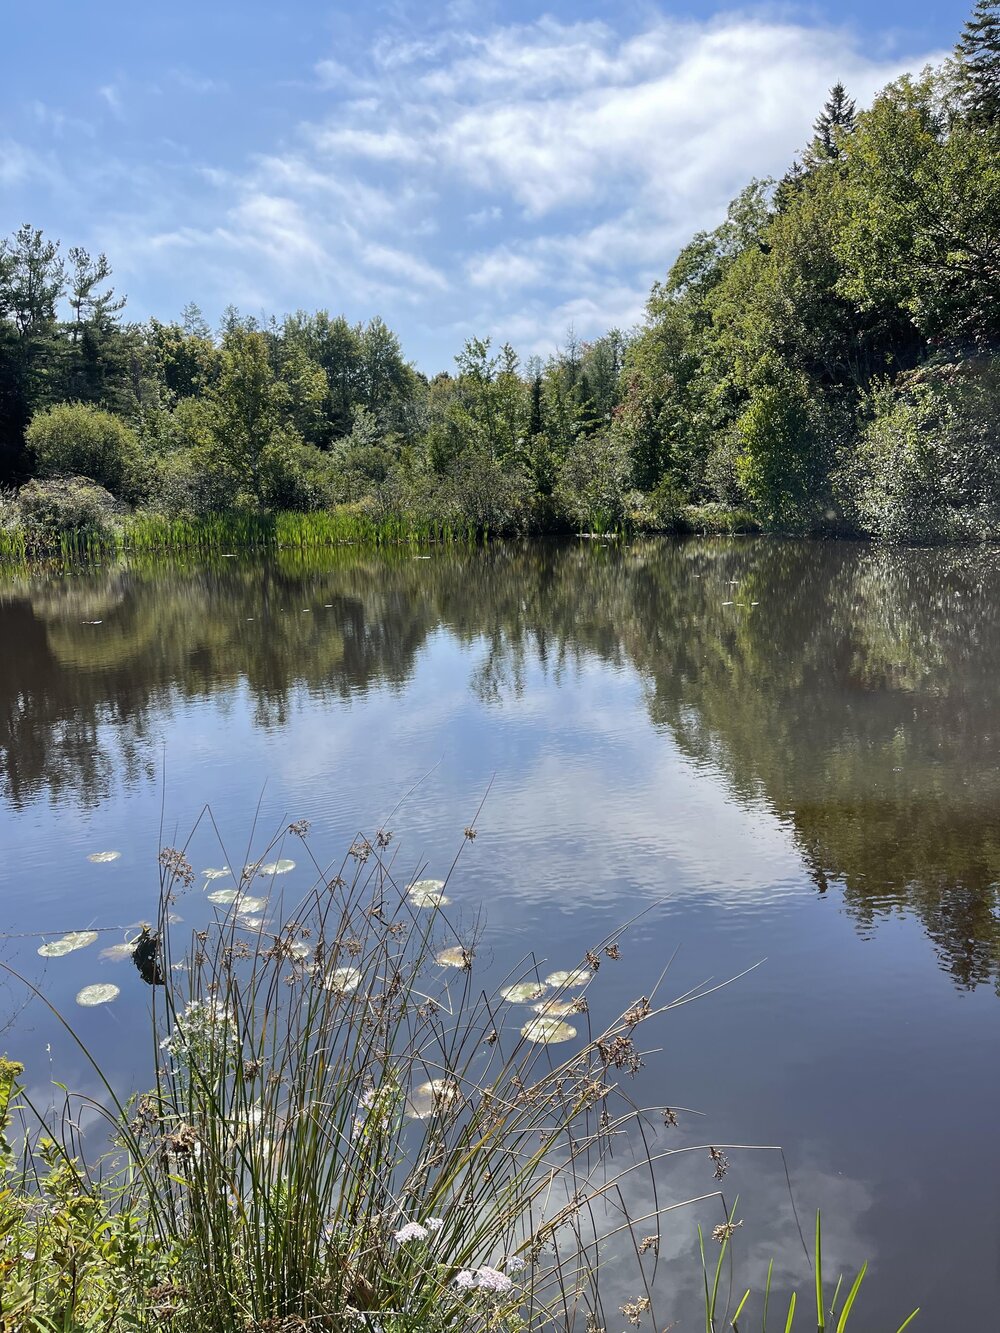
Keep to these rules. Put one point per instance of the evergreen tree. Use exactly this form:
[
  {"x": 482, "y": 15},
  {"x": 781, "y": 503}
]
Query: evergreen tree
[
  {"x": 835, "y": 120},
  {"x": 979, "y": 53}
]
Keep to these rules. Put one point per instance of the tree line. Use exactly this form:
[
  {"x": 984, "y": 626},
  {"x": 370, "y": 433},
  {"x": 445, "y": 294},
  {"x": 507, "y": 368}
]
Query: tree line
[{"x": 824, "y": 359}]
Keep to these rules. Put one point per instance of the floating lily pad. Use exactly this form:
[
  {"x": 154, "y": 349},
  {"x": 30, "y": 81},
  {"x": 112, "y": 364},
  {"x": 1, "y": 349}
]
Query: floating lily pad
[
  {"x": 99, "y": 858},
  {"x": 547, "y": 1031},
  {"x": 224, "y": 896},
  {"x": 426, "y": 893},
  {"x": 555, "y": 1008},
  {"x": 455, "y": 956},
  {"x": 277, "y": 867},
  {"x": 117, "y": 953},
  {"x": 248, "y": 904},
  {"x": 76, "y": 939},
  {"x": 252, "y": 922},
  {"x": 579, "y": 977},
  {"x": 343, "y": 980},
  {"x": 432, "y": 1098},
  {"x": 299, "y": 949},
  {"x": 217, "y": 873},
  {"x": 100, "y": 994},
  {"x": 523, "y": 992}
]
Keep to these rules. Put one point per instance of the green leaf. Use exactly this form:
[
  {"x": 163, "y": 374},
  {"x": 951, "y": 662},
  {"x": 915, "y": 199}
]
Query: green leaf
[
  {"x": 820, "y": 1321},
  {"x": 791, "y": 1314},
  {"x": 842, "y": 1321}
]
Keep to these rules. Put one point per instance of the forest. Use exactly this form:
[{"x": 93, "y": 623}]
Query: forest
[{"x": 824, "y": 361}]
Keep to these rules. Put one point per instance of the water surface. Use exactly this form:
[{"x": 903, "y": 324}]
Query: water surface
[{"x": 774, "y": 752}]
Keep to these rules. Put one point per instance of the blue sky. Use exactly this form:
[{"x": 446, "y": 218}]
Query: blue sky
[{"x": 458, "y": 168}]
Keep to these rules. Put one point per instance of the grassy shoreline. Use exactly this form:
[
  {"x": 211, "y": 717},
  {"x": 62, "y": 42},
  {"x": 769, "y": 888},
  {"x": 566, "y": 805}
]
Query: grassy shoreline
[{"x": 145, "y": 534}]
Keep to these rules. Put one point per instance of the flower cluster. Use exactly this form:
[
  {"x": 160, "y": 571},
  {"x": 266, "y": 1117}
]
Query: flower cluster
[
  {"x": 204, "y": 1029},
  {"x": 411, "y": 1231},
  {"x": 416, "y": 1231},
  {"x": 484, "y": 1279}
]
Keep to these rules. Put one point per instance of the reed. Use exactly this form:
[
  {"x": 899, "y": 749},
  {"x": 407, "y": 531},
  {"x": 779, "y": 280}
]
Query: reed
[{"x": 346, "y": 1132}]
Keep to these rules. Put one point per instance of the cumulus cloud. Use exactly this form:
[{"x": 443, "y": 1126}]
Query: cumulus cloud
[{"x": 511, "y": 177}]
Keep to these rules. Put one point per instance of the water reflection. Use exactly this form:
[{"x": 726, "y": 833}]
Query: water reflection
[{"x": 852, "y": 690}]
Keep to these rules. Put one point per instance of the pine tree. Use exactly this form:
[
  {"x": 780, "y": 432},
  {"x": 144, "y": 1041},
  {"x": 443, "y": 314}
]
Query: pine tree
[
  {"x": 834, "y": 121},
  {"x": 979, "y": 53}
]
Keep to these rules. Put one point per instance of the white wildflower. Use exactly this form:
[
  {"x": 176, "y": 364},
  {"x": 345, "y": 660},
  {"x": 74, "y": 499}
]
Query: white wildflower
[
  {"x": 491, "y": 1279},
  {"x": 411, "y": 1231}
]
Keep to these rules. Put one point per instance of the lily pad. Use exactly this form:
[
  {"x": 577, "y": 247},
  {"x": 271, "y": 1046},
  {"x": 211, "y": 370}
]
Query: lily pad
[
  {"x": 248, "y": 904},
  {"x": 343, "y": 980},
  {"x": 76, "y": 939},
  {"x": 455, "y": 956},
  {"x": 223, "y": 897},
  {"x": 100, "y": 994},
  {"x": 117, "y": 953},
  {"x": 219, "y": 872},
  {"x": 427, "y": 893},
  {"x": 578, "y": 977},
  {"x": 523, "y": 992},
  {"x": 432, "y": 1098},
  {"x": 299, "y": 949},
  {"x": 547, "y": 1031},
  {"x": 99, "y": 858},
  {"x": 277, "y": 867},
  {"x": 555, "y": 1008}
]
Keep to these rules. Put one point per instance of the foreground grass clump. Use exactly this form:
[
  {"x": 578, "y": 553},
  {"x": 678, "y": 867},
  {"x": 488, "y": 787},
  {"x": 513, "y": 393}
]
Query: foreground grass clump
[{"x": 345, "y": 1132}]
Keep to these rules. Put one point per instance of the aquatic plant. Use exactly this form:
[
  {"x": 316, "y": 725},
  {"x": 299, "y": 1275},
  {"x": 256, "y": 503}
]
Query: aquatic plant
[{"x": 343, "y": 1130}]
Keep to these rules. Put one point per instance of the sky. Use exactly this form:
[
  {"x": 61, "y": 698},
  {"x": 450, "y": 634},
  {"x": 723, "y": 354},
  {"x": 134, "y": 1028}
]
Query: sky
[{"x": 461, "y": 169}]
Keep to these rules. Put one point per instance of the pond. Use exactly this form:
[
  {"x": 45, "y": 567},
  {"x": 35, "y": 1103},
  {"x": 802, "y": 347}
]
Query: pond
[{"x": 756, "y": 751}]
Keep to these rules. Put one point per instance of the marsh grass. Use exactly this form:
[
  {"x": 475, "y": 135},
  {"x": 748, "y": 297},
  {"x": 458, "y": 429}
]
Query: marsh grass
[
  {"x": 327, "y": 1085},
  {"x": 145, "y": 533},
  {"x": 343, "y": 1134}
]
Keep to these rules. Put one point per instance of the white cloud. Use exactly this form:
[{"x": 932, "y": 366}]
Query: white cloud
[
  {"x": 555, "y": 167},
  {"x": 110, "y": 94}
]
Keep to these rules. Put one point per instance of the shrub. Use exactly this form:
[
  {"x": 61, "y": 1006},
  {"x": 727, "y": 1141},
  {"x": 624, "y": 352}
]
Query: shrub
[
  {"x": 71, "y": 505},
  {"x": 595, "y": 481},
  {"x": 76, "y": 439},
  {"x": 926, "y": 466},
  {"x": 787, "y": 437}
]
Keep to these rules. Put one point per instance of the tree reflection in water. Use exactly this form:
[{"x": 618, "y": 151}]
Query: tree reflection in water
[{"x": 854, "y": 690}]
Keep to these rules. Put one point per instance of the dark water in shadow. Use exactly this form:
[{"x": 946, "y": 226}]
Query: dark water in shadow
[{"x": 785, "y": 752}]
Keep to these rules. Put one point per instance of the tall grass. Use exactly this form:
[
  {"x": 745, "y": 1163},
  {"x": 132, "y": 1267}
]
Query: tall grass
[
  {"x": 147, "y": 534},
  {"x": 330, "y": 1085},
  {"x": 346, "y": 1132}
]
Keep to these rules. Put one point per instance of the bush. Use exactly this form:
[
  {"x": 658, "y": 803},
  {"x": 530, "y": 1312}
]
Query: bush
[
  {"x": 70, "y": 505},
  {"x": 595, "y": 482},
  {"x": 787, "y": 436},
  {"x": 76, "y": 439},
  {"x": 926, "y": 466}
]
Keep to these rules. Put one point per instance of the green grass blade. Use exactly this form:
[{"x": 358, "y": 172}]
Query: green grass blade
[
  {"x": 820, "y": 1321},
  {"x": 842, "y": 1321},
  {"x": 908, "y": 1321},
  {"x": 739, "y": 1309},
  {"x": 767, "y": 1295},
  {"x": 791, "y": 1314}
]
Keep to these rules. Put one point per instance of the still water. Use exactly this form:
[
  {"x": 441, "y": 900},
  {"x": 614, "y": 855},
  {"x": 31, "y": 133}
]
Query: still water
[{"x": 766, "y": 752}]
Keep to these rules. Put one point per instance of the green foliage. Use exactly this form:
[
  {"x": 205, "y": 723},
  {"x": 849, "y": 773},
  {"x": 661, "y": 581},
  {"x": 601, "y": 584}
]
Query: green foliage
[
  {"x": 595, "y": 483},
  {"x": 65, "y": 505},
  {"x": 979, "y": 56},
  {"x": 77, "y": 439},
  {"x": 786, "y": 434},
  {"x": 926, "y": 467},
  {"x": 924, "y": 195}
]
